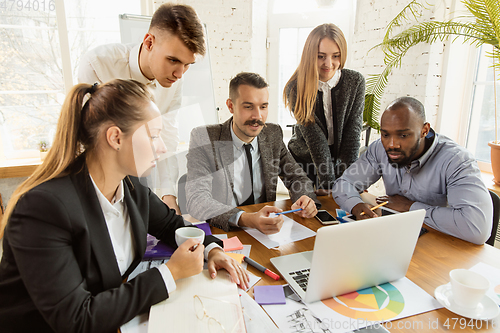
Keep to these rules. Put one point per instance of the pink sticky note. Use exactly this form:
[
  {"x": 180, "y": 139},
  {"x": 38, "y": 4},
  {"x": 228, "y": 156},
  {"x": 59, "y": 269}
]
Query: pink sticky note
[{"x": 232, "y": 244}]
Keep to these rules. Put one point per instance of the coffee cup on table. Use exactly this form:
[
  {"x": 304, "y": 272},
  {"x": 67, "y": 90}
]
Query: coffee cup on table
[
  {"x": 467, "y": 287},
  {"x": 185, "y": 233}
]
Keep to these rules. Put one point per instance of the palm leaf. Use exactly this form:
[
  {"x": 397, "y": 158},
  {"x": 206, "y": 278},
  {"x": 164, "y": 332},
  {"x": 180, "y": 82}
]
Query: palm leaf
[
  {"x": 409, "y": 12},
  {"x": 482, "y": 26}
]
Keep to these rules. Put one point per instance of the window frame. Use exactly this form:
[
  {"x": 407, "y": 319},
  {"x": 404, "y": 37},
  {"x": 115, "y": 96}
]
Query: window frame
[
  {"x": 28, "y": 156},
  {"x": 294, "y": 20}
]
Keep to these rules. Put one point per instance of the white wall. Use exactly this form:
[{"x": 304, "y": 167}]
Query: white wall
[
  {"x": 421, "y": 69},
  {"x": 237, "y": 31}
]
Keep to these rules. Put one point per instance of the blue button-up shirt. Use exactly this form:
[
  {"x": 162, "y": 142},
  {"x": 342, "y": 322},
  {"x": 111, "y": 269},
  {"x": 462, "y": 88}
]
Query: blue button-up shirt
[{"x": 445, "y": 181}]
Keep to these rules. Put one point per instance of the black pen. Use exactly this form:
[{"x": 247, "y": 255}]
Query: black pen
[{"x": 261, "y": 268}]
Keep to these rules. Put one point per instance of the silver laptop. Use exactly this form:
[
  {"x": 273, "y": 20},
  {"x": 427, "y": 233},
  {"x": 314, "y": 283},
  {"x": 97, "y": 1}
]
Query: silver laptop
[{"x": 353, "y": 256}]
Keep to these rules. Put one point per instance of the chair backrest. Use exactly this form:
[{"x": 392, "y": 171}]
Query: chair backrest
[
  {"x": 496, "y": 216},
  {"x": 181, "y": 194}
]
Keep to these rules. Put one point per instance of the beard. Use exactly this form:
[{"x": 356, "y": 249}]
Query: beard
[{"x": 406, "y": 157}]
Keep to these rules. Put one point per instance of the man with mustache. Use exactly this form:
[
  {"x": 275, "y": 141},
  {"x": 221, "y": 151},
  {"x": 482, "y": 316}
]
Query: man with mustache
[
  {"x": 421, "y": 170},
  {"x": 174, "y": 39},
  {"x": 219, "y": 176}
]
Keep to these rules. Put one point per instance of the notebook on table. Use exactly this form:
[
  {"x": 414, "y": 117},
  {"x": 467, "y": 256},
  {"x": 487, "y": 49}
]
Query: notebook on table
[{"x": 353, "y": 256}]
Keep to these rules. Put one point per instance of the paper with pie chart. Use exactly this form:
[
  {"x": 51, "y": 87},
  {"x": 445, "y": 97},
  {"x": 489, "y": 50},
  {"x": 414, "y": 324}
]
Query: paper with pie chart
[
  {"x": 493, "y": 275},
  {"x": 386, "y": 302},
  {"x": 374, "y": 304}
]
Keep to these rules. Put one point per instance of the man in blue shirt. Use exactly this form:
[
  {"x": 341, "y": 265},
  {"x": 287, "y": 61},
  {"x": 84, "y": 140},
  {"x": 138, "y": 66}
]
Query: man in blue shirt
[{"x": 421, "y": 170}]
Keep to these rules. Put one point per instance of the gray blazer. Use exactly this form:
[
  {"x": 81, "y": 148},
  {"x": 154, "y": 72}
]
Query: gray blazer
[{"x": 210, "y": 172}]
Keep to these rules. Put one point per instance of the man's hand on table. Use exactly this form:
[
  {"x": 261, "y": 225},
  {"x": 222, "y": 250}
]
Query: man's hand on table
[
  {"x": 261, "y": 221},
  {"x": 308, "y": 206},
  {"x": 321, "y": 192},
  {"x": 363, "y": 208},
  {"x": 217, "y": 259},
  {"x": 396, "y": 202}
]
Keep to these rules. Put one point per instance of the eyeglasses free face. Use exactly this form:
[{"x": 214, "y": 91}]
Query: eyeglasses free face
[{"x": 222, "y": 316}]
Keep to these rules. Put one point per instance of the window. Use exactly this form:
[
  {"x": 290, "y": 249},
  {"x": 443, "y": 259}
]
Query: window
[
  {"x": 291, "y": 43},
  {"x": 290, "y": 22},
  {"x": 31, "y": 83},
  {"x": 482, "y": 115},
  {"x": 31, "y": 70}
]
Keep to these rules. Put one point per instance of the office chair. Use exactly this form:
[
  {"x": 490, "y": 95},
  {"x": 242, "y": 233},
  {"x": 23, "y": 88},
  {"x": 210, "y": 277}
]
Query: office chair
[
  {"x": 181, "y": 194},
  {"x": 496, "y": 216}
]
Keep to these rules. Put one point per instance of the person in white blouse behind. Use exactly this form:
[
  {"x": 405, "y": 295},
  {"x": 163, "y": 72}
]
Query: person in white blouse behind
[{"x": 171, "y": 45}]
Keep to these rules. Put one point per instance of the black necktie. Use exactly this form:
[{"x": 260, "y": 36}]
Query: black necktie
[{"x": 250, "y": 200}]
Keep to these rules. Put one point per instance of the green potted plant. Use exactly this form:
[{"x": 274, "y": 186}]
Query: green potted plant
[
  {"x": 43, "y": 147},
  {"x": 480, "y": 26}
]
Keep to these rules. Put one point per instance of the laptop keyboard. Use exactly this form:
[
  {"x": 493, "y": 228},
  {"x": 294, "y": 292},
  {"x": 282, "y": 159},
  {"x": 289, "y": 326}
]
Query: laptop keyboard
[{"x": 301, "y": 277}]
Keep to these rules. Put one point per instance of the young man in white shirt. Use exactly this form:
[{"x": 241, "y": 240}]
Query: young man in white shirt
[{"x": 170, "y": 46}]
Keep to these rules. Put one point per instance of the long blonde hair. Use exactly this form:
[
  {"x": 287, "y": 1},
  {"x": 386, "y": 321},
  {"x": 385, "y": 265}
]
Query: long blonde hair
[
  {"x": 118, "y": 102},
  {"x": 300, "y": 99}
]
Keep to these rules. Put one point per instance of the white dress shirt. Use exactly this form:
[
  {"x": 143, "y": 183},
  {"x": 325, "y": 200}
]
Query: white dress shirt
[
  {"x": 326, "y": 88},
  {"x": 242, "y": 173},
  {"x": 120, "y": 61},
  {"x": 120, "y": 231}
]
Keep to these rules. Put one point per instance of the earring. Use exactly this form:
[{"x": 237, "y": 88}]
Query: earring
[{"x": 118, "y": 149}]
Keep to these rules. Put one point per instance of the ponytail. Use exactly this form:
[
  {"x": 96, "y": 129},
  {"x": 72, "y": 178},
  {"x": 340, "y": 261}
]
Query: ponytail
[{"x": 63, "y": 152}]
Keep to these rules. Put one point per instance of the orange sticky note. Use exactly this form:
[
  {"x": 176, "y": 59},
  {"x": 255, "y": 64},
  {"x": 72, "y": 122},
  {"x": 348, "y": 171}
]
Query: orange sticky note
[
  {"x": 232, "y": 244},
  {"x": 236, "y": 256}
]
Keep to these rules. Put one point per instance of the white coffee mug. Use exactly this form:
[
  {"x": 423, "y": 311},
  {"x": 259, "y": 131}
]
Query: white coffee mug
[
  {"x": 185, "y": 233},
  {"x": 467, "y": 287}
]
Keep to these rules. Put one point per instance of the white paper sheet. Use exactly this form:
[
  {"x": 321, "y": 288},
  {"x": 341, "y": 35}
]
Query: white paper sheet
[
  {"x": 291, "y": 231},
  {"x": 139, "y": 324},
  {"x": 221, "y": 301},
  {"x": 493, "y": 275},
  {"x": 401, "y": 299},
  {"x": 256, "y": 319}
]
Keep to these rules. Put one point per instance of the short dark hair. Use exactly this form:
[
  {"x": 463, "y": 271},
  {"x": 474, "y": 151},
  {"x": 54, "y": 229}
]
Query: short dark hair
[
  {"x": 411, "y": 103},
  {"x": 245, "y": 78},
  {"x": 183, "y": 22}
]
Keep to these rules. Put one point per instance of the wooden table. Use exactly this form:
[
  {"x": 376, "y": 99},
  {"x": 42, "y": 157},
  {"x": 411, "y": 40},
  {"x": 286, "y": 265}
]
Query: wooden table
[{"x": 435, "y": 255}]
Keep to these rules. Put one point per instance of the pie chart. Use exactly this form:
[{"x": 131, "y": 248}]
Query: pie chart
[{"x": 378, "y": 303}]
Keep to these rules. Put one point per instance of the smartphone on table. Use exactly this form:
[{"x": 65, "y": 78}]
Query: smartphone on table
[{"x": 326, "y": 218}]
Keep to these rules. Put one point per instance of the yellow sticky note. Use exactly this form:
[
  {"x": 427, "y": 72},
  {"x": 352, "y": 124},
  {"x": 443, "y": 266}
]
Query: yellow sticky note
[
  {"x": 236, "y": 256},
  {"x": 232, "y": 244}
]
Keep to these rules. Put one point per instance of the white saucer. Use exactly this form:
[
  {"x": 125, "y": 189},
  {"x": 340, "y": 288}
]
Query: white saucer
[{"x": 486, "y": 309}]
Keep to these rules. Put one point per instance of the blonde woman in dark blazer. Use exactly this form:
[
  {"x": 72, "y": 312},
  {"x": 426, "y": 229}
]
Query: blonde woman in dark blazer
[
  {"x": 77, "y": 227},
  {"x": 327, "y": 100}
]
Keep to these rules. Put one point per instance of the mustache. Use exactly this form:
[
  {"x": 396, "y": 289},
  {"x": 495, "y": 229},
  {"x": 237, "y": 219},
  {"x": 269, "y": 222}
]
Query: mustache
[
  {"x": 253, "y": 122},
  {"x": 394, "y": 151}
]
